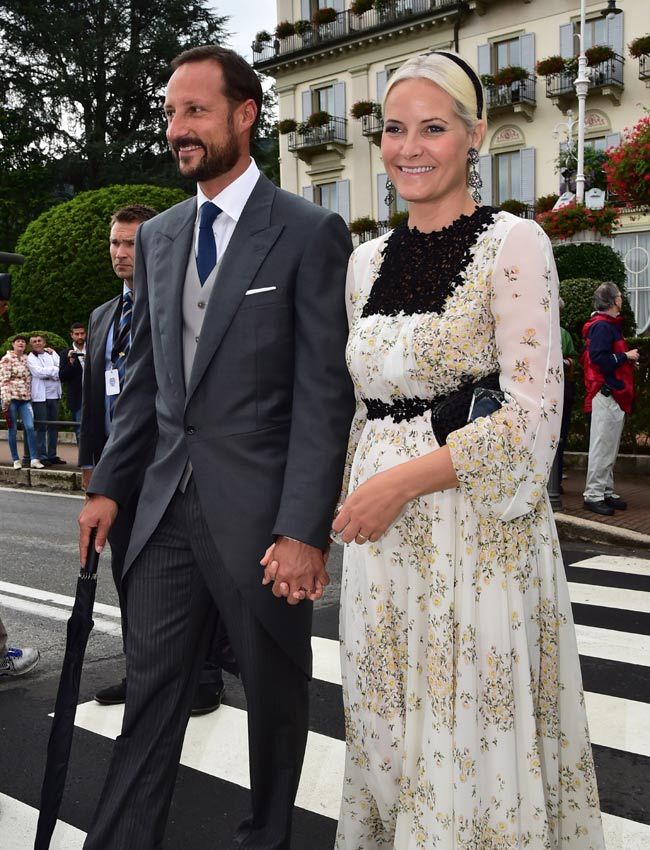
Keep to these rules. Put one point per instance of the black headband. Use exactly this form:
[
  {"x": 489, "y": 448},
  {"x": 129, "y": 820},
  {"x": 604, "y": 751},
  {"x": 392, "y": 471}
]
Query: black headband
[{"x": 471, "y": 73}]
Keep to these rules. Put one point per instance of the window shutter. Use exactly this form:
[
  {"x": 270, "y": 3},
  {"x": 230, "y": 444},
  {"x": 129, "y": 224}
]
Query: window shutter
[
  {"x": 383, "y": 212},
  {"x": 528, "y": 175},
  {"x": 339, "y": 5},
  {"x": 382, "y": 79},
  {"x": 527, "y": 52},
  {"x": 305, "y": 10},
  {"x": 306, "y": 105},
  {"x": 485, "y": 170},
  {"x": 613, "y": 140},
  {"x": 343, "y": 199},
  {"x": 484, "y": 59},
  {"x": 308, "y": 193},
  {"x": 615, "y": 33},
  {"x": 566, "y": 41},
  {"x": 339, "y": 100}
]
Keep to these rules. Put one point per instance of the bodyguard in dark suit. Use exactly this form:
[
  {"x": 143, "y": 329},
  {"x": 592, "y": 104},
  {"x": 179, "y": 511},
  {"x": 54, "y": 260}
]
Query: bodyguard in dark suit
[{"x": 237, "y": 373}]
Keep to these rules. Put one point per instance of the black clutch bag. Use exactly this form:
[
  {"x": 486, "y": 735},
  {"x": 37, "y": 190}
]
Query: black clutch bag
[{"x": 469, "y": 402}]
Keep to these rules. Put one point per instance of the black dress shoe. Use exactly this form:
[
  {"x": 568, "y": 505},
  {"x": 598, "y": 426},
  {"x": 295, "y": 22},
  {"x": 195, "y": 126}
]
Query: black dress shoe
[
  {"x": 57, "y": 461},
  {"x": 206, "y": 699},
  {"x": 599, "y": 508},
  {"x": 113, "y": 695},
  {"x": 616, "y": 503}
]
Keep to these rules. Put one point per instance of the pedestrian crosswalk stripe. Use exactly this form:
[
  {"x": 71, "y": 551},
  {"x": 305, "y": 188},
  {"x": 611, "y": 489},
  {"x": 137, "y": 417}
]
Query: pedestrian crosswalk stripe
[
  {"x": 615, "y": 564},
  {"x": 217, "y": 744},
  {"x": 18, "y": 828},
  {"x": 621, "y": 724},
  {"x": 610, "y": 597},
  {"x": 612, "y": 645},
  {"x": 624, "y": 834},
  {"x": 105, "y": 625},
  {"x": 54, "y": 598}
]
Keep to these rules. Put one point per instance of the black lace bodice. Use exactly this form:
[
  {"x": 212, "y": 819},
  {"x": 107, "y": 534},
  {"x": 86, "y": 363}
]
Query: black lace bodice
[{"x": 420, "y": 270}]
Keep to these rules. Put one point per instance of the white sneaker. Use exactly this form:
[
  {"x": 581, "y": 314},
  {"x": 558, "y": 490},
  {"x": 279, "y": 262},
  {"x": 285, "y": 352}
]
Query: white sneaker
[
  {"x": 17, "y": 464},
  {"x": 17, "y": 662},
  {"x": 36, "y": 464}
]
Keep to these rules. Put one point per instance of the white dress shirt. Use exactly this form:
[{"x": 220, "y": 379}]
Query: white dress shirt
[
  {"x": 44, "y": 369},
  {"x": 231, "y": 201}
]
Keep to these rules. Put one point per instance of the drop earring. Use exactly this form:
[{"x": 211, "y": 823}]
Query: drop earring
[
  {"x": 390, "y": 195},
  {"x": 474, "y": 178}
]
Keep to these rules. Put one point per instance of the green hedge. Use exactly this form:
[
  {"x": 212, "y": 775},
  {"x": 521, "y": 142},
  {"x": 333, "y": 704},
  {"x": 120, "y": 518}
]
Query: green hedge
[
  {"x": 589, "y": 259},
  {"x": 67, "y": 270},
  {"x": 637, "y": 426}
]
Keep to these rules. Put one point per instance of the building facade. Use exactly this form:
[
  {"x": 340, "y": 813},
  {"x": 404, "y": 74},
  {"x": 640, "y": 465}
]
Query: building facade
[{"x": 342, "y": 52}]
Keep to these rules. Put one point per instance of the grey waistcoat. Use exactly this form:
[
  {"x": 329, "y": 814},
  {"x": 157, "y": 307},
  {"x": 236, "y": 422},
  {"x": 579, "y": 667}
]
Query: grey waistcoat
[{"x": 194, "y": 303}]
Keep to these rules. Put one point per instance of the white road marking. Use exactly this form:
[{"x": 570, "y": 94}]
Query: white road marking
[
  {"x": 18, "y": 828},
  {"x": 624, "y": 834},
  {"x": 616, "y": 564},
  {"x": 610, "y": 597},
  {"x": 32, "y": 492},
  {"x": 621, "y": 724},
  {"x": 627, "y": 647}
]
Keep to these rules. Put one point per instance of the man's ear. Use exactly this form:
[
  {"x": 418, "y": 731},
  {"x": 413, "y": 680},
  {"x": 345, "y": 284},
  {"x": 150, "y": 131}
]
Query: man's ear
[{"x": 247, "y": 113}]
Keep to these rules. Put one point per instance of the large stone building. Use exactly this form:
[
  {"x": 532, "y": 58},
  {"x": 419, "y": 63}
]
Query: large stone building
[{"x": 347, "y": 58}]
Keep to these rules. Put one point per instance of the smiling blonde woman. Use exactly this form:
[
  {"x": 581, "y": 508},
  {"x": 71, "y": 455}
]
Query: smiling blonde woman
[{"x": 465, "y": 717}]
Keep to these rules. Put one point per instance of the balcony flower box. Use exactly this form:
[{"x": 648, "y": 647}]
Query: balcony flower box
[
  {"x": 550, "y": 65},
  {"x": 287, "y": 125},
  {"x": 324, "y": 16},
  {"x": 598, "y": 54},
  {"x": 640, "y": 46},
  {"x": 364, "y": 224},
  {"x": 360, "y": 7},
  {"x": 318, "y": 119},
  {"x": 363, "y": 107},
  {"x": 509, "y": 75},
  {"x": 284, "y": 29}
]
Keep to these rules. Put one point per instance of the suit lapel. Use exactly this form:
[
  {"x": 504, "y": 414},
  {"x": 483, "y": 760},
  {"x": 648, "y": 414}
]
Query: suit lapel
[
  {"x": 172, "y": 249},
  {"x": 251, "y": 241}
]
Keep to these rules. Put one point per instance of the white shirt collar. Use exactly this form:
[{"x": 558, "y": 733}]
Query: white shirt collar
[{"x": 232, "y": 199}]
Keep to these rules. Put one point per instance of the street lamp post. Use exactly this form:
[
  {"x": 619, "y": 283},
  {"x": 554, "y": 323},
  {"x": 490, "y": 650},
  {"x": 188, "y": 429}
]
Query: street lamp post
[{"x": 582, "y": 86}]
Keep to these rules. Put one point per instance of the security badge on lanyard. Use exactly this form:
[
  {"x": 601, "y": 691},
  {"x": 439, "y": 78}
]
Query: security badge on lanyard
[{"x": 112, "y": 379}]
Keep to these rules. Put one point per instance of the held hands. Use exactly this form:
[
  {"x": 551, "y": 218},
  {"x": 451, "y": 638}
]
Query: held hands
[
  {"x": 99, "y": 512},
  {"x": 371, "y": 508},
  {"x": 296, "y": 570}
]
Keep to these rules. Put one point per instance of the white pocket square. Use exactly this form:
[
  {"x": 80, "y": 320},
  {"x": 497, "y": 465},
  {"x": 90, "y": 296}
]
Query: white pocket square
[{"x": 261, "y": 289}]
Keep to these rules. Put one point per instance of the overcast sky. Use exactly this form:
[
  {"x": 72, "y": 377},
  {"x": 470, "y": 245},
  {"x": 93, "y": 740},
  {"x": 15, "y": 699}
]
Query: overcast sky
[{"x": 246, "y": 18}]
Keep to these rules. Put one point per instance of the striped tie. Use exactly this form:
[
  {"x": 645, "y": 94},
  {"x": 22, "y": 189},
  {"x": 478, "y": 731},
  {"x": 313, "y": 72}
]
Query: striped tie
[
  {"x": 206, "y": 255},
  {"x": 122, "y": 344}
]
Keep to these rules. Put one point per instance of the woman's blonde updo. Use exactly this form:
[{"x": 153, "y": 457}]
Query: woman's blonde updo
[{"x": 451, "y": 78}]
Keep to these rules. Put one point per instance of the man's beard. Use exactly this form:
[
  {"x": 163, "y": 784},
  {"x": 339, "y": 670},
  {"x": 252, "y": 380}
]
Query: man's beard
[{"x": 216, "y": 159}]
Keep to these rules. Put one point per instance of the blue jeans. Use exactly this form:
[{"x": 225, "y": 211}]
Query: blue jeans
[
  {"x": 21, "y": 410},
  {"x": 46, "y": 435},
  {"x": 76, "y": 417}
]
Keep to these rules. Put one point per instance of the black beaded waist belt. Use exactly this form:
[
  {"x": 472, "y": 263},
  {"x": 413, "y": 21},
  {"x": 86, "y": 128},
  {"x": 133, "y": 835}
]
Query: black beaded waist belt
[{"x": 408, "y": 407}]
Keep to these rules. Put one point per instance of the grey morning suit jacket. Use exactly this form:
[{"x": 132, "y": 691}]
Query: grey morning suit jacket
[{"x": 265, "y": 416}]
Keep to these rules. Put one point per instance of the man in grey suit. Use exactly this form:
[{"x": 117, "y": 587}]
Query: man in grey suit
[{"x": 237, "y": 373}]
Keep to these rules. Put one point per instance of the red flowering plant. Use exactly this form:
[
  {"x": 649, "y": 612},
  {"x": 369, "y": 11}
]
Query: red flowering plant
[
  {"x": 572, "y": 219},
  {"x": 627, "y": 167}
]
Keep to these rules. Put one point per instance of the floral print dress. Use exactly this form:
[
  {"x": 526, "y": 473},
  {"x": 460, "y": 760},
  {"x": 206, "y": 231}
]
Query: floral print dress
[{"x": 464, "y": 709}]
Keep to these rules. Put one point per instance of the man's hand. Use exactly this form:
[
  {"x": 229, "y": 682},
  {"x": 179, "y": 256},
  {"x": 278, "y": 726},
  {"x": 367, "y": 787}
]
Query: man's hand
[
  {"x": 99, "y": 512},
  {"x": 296, "y": 570},
  {"x": 633, "y": 355}
]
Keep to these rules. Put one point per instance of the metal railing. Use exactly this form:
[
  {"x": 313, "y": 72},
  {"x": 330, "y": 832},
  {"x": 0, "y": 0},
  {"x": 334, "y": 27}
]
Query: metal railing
[
  {"x": 335, "y": 130},
  {"x": 607, "y": 73},
  {"x": 367, "y": 235},
  {"x": 371, "y": 125},
  {"x": 505, "y": 96},
  {"x": 644, "y": 67},
  {"x": 347, "y": 25}
]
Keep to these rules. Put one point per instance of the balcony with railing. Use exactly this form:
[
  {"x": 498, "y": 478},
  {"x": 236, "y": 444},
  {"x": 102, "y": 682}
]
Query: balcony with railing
[
  {"x": 380, "y": 229},
  {"x": 518, "y": 96},
  {"x": 348, "y": 26},
  {"x": 644, "y": 67},
  {"x": 605, "y": 78},
  {"x": 307, "y": 141},
  {"x": 372, "y": 127}
]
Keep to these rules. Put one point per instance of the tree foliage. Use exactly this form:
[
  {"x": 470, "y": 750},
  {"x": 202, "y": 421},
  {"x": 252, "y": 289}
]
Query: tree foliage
[
  {"x": 67, "y": 270},
  {"x": 58, "y": 343},
  {"x": 87, "y": 77}
]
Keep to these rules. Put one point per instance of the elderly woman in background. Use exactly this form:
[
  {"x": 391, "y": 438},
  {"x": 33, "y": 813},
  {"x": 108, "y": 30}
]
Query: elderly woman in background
[
  {"x": 16, "y": 392},
  {"x": 465, "y": 716}
]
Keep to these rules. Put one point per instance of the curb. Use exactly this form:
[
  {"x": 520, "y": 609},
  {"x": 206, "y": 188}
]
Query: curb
[
  {"x": 576, "y": 528},
  {"x": 44, "y": 479}
]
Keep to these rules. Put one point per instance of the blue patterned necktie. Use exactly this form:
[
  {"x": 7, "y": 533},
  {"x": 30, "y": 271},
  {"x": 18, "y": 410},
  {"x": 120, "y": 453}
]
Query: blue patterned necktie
[
  {"x": 122, "y": 344},
  {"x": 206, "y": 256}
]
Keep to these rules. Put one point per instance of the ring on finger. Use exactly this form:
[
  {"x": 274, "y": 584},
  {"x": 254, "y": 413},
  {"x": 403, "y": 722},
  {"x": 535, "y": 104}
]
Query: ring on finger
[{"x": 361, "y": 538}]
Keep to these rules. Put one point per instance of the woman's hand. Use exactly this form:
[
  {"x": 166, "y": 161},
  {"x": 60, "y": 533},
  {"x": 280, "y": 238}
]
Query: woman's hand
[{"x": 371, "y": 508}]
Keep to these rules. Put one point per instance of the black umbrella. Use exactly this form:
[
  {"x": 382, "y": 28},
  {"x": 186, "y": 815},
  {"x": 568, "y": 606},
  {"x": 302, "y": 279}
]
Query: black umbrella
[{"x": 80, "y": 625}]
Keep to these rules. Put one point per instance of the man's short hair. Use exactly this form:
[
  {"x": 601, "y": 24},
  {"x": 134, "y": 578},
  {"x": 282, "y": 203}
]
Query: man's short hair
[
  {"x": 605, "y": 296},
  {"x": 133, "y": 212},
  {"x": 20, "y": 336},
  {"x": 240, "y": 80},
  {"x": 38, "y": 336},
  {"x": 76, "y": 325}
]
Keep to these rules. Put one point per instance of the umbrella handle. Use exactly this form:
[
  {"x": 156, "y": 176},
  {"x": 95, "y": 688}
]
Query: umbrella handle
[{"x": 89, "y": 569}]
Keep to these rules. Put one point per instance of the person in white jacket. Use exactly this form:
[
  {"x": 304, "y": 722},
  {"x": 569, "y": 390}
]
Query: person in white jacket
[{"x": 43, "y": 363}]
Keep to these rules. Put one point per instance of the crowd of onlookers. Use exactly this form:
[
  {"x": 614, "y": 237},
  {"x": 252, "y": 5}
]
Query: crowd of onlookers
[{"x": 31, "y": 388}]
